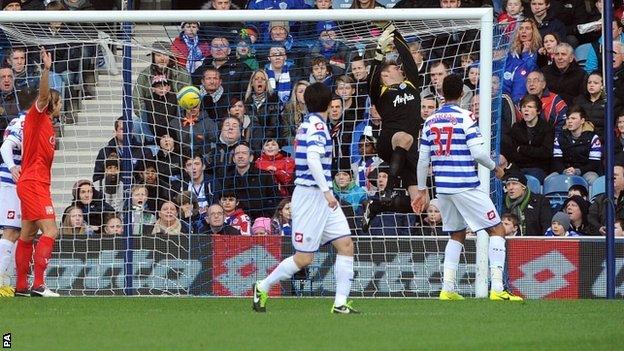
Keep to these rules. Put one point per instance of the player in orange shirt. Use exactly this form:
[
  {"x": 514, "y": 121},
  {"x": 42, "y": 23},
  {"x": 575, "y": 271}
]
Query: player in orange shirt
[{"x": 33, "y": 188}]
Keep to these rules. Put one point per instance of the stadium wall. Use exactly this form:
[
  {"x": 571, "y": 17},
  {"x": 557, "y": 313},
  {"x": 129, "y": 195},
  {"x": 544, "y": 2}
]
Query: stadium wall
[{"x": 384, "y": 267}]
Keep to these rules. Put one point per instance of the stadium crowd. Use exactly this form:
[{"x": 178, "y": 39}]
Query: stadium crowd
[{"x": 226, "y": 167}]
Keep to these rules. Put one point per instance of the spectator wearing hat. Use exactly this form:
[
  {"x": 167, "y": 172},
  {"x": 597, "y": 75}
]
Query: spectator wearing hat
[
  {"x": 246, "y": 50},
  {"x": 374, "y": 207},
  {"x": 161, "y": 109},
  {"x": 189, "y": 50},
  {"x": 90, "y": 201},
  {"x": 559, "y": 225},
  {"x": 11, "y": 5},
  {"x": 533, "y": 210},
  {"x": 262, "y": 226},
  {"x": 277, "y": 5},
  {"x": 213, "y": 223},
  {"x": 327, "y": 46},
  {"x": 278, "y": 163},
  {"x": 163, "y": 64},
  {"x": 577, "y": 209},
  {"x": 432, "y": 222}
]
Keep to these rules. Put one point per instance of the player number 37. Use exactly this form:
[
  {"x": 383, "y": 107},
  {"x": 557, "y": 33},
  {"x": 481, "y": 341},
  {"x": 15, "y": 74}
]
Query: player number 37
[{"x": 443, "y": 149}]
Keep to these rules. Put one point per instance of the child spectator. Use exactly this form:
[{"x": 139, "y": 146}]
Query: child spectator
[
  {"x": 199, "y": 184},
  {"x": 279, "y": 164},
  {"x": 189, "y": 50},
  {"x": 283, "y": 218},
  {"x": 513, "y": 13},
  {"x": 113, "y": 226},
  {"x": 213, "y": 223},
  {"x": 433, "y": 220},
  {"x": 262, "y": 226},
  {"x": 234, "y": 215},
  {"x": 245, "y": 53},
  {"x": 546, "y": 54},
  {"x": 162, "y": 108},
  {"x": 189, "y": 208},
  {"x": 73, "y": 223},
  {"x": 472, "y": 81},
  {"x": 347, "y": 192},
  {"x": 142, "y": 217},
  {"x": 510, "y": 223},
  {"x": 293, "y": 113},
  {"x": 320, "y": 71},
  {"x": 334, "y": 51},
  {"x": 169, "y": 161},
  {"x": 168, "y": 222},
  {"x": 111, "y": 186},
  {"x": 559, "y": 226}
]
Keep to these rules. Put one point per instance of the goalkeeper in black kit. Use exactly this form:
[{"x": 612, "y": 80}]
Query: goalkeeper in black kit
[{"x": 395, "y": 92}]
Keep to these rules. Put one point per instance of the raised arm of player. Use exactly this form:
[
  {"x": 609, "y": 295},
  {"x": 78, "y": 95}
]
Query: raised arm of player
[
  {"x": 374, "y": 76},
  {"x": 409, "y": 65},
  {"x": 44, "y": 83}
]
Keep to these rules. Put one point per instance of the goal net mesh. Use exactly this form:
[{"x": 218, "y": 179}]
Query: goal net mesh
[{"x": 165, "y": 171}]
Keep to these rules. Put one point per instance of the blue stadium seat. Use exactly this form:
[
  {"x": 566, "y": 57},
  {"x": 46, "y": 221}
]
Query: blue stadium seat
[
  {"x": 556, "y": 188},
  {"x": 534, "y": 184},
  {"x": 289, "y": 149},
  {"x": 598, "y": 187}
]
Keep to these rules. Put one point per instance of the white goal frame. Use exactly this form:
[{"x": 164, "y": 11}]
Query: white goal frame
[{"x": 484, "y": 15}]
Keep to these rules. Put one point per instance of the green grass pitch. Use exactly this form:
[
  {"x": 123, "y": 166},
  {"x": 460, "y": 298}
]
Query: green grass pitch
[{"x": 306, "y": 324}]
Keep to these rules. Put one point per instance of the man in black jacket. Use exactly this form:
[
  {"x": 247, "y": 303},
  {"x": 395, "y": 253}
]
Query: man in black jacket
[
  {"x": 565, "y": 77},
  {"x": 533, "y": 210},
  {"x": 598, "y": 210},
  {"x": 257, "y": 192}
]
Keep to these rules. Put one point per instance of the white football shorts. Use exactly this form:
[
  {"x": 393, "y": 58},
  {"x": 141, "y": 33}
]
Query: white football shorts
[
  {"x": 10, "y": 212},
  {"x": 472, "y": 208}
]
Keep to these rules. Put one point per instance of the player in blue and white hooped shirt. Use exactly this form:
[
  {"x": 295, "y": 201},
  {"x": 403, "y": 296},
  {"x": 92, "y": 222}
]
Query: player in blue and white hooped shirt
[
  {"x": 452, "y": 141},
  {"x": 316, "y": 215},
  {"x": 10, "y": 213}
]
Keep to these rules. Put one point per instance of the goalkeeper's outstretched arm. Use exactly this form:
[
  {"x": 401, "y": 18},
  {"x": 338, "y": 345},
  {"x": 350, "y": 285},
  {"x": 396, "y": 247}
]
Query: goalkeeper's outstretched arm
[{"x": 410, "y": 69}]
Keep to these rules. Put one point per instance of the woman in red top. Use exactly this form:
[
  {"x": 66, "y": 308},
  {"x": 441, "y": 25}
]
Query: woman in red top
[
  {"x": 33, "y": 188},
  {"x": 278, "y": 163}
]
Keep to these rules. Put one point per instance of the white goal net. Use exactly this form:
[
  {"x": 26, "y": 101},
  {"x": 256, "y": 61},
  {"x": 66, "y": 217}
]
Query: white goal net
[{"x": 135, "y": 175}]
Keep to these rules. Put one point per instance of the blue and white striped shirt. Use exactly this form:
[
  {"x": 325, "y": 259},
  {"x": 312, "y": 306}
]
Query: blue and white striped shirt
[
  {"x": 447, "y": 136},
  {"x": 312, "y": 135},
  {"x": 14, "y": 132}
]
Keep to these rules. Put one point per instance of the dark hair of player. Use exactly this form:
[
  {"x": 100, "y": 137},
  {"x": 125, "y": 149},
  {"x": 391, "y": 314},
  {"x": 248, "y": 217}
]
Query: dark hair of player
[
  {"x": 317, "y": 97},
  {"x": 452, "y": 87}
]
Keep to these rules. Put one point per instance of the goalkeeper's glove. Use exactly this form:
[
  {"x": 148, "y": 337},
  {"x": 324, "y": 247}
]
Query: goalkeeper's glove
[{"x": 383, "y": 44}]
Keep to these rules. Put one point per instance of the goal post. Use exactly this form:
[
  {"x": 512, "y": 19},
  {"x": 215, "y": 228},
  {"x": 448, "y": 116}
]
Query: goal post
[{"x": 25, "y": 25}]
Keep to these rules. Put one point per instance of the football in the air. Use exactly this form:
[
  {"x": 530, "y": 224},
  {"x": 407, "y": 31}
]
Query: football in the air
[{"x": 188, "y": 97}]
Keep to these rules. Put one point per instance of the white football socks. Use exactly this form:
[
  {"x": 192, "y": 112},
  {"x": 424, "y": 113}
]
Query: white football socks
[
  {"x": 7, "y": 261},
  {"x": 283, "y": 271},
  {"x": 496, "y": 255},
  {"x": 343, "y": 272},
  {"x": 451, "y": 262}
]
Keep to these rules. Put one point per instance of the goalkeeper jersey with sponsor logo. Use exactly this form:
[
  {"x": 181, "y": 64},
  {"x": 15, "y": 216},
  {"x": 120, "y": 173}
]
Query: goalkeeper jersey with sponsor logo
[
  {"x": 447, "y": 136},
  {"x": 312, "y": 136},
  {"x": 14, "y": 133}
]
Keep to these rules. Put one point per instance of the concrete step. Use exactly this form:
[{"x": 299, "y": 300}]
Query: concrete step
[
  {"x": 76, "y": 143},
  {"x": 87, "y": 131}
]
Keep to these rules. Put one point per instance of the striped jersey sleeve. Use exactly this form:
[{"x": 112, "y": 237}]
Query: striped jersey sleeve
[
  {"x": 14, "y": 132},
  {"x": 595, "y": 150},
  {"x": 312, "y": 136},
  {"x": 557, "y": 148},
  {"x": 447, "y": 135}
]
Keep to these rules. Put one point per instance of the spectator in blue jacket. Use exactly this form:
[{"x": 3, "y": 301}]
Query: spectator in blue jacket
[
  {"x": 349, "y": 193},
  {"x": 277, "y": 5},
  {"x": 521, "y": 60}
]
